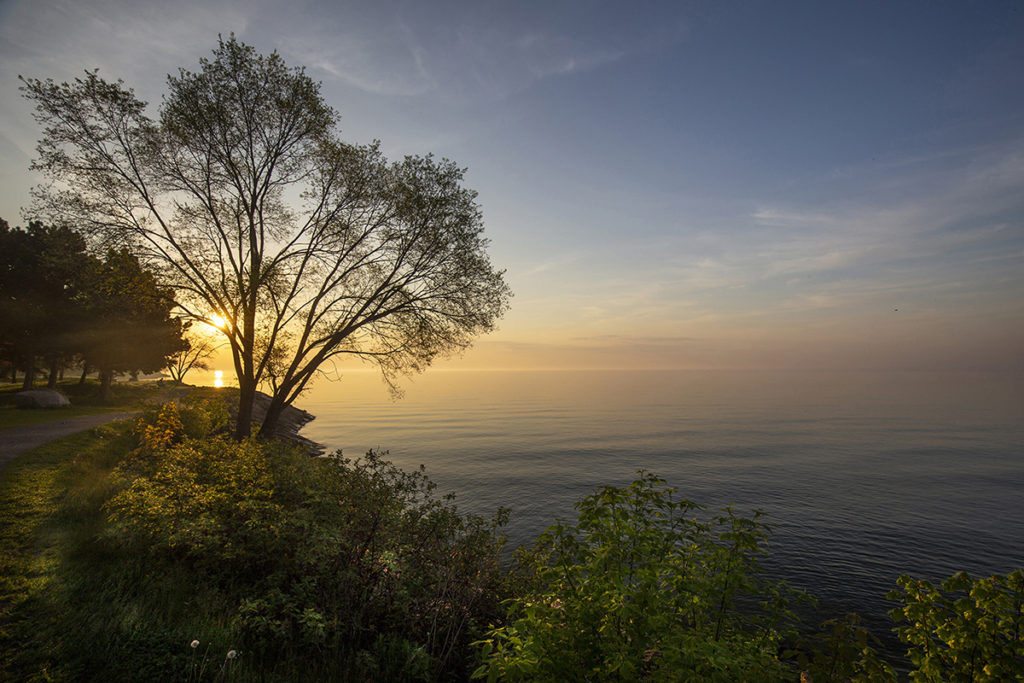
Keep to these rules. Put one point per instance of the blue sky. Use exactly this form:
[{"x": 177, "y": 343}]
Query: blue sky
[{"x": 668, "y": 184}]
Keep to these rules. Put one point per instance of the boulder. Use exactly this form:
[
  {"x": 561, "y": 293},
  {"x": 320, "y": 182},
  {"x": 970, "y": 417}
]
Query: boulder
[{"x": 41, "y": 398}]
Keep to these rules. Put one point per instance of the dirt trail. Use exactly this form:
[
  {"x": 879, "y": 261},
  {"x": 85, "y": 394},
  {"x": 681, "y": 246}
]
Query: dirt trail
[{"x": 17, "y": 440}]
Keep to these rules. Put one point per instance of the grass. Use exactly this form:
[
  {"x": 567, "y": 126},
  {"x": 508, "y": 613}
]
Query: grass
[
  {"x": 71, "y": 609},
  {"x": 15, "y": 417}
]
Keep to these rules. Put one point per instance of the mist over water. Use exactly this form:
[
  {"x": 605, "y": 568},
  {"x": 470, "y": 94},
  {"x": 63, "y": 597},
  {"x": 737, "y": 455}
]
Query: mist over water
[{"x": 863, "y": 475}]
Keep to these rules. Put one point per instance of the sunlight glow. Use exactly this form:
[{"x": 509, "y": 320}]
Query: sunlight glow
[
  {"x": 213, "y": 325},
  {"x": 218, "y": 378}
]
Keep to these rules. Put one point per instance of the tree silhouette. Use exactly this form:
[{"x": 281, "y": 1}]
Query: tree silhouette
[
  {"x": 128, "y": 323},
  {"x": 383, "y": 261},
  {"x": 41, "y": 270},
  {"x": 196, "y": 350}
]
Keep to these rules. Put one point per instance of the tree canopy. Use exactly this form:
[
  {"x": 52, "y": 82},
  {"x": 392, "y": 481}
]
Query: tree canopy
[
  {"x": 59, "y": 302},
  {"x": 41, "y": 268},
  {"x": 248, "y": 203},
  {"x": 128, "y": 324}
]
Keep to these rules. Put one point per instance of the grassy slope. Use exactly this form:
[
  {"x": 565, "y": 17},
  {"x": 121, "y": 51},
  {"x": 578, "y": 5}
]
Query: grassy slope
[
  {"x": 69, "y": 608},
  {"x": 13, "y": 417}
]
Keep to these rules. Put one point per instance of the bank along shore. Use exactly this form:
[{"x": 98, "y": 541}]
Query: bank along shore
[{"x": 292, "y": 420}]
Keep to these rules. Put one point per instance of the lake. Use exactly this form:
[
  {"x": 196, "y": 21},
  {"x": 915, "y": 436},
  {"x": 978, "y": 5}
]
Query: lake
[{"x": 863, "y": 475}]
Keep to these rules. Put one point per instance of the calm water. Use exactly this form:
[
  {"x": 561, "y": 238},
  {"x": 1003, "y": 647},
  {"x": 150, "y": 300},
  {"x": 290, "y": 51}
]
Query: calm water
[{"x": 863, "y": 475}]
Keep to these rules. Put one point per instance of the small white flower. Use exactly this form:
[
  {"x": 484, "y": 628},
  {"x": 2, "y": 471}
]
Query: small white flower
[
  {"x": 232, "y": 654},
  {"x": 194, "y": 644}
]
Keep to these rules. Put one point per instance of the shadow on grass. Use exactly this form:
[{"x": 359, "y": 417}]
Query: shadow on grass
[{"x": 70, "y": 607}]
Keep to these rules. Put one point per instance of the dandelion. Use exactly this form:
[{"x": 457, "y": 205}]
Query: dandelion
[
  {"x": 232, "y": 654},
  {"x": 194, "y": 644}
]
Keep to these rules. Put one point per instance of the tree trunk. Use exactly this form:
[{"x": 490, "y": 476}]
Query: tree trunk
[
  {"x": 30, "y": 374},
  {"x": 54, "y": 370},
  {"x": 246, "y": 396},
  {"x": 274, "y": 411},
  {"x": 106, "y": 377},
  {"x": 85, "y": 373}
]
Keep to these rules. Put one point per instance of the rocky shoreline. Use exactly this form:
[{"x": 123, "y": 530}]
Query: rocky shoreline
[{"x": 288, "y": 425}]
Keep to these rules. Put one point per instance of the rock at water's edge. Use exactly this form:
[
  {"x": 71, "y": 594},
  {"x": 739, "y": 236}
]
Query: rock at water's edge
[
  {"x": 41, "y": 398},
  {"x": 288, "y": 425}
]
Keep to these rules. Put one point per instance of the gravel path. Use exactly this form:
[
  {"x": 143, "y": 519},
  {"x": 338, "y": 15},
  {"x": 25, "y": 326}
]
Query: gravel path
[{"x": 17, "y": 440}]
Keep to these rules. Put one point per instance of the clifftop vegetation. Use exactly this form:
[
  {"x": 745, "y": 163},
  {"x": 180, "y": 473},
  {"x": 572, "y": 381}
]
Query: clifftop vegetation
[{"x": 158, "y": 549}]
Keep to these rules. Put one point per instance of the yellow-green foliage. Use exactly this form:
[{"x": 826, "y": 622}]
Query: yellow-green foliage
[
  {"x": 640, "y": 589},
  {"x": 964, "y": 630},
  {"x": 165, "y": 431},
  {"x": 343, "y": 561},
  {"x": 200, "y": 494}
]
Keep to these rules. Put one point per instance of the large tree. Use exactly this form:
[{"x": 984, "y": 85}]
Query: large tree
[{"x": 241, "y": 192}]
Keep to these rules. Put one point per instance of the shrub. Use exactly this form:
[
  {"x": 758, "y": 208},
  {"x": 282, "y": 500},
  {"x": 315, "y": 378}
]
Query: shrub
[
  {"x": 842, "y": 650},
  {"x": 637, "y": 589},
  {"x": 965, "y": 630},
  {"x": 333, "y": 558},
  {"x": 211, "y": 501},
  {"x": 202, "y": 417}
]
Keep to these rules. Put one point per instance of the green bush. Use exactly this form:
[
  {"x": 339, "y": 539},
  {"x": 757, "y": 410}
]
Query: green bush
[
  {"x": 123, "y": 546},
  {"x": 842, "y": 650},
  {"x": 339, "y": 560},
  {"x": 966, "y": 630},
  {"x": 639, "y": 589}
]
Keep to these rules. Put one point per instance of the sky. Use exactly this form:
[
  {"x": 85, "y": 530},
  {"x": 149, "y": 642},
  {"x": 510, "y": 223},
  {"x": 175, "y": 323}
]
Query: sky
[{"x": 667, "y": 184}]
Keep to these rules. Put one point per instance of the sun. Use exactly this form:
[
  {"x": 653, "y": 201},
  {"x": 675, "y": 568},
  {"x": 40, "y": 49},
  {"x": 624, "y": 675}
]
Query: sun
[{"x": 213, "y": 324}]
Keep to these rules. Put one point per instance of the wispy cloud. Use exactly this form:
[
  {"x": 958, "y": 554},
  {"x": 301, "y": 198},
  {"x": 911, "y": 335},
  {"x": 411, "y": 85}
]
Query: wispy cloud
[
  {"x": 955, "y": 243},
  {"x": 556, "y": 264},
  {"x": 476, "y": 63},
  {"x": 639, "y": 340},
  {"x": 924, "y": 245},
  {"x": 547, "y": 55},
  {"x": 488, "y": 52},
  {"x": 123, "y": 39},
  {"x": 360, "y": 64}
]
